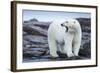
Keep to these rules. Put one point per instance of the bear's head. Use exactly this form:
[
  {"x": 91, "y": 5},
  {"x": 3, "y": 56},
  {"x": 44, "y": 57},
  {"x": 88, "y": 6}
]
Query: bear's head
[{"x": 71, "y": 25}]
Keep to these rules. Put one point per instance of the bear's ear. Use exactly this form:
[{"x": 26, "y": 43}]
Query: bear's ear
[{"x": 74, "y": 22}]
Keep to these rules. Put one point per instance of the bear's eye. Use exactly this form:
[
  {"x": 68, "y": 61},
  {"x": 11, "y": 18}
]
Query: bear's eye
[{"x": 66, "y": 21}]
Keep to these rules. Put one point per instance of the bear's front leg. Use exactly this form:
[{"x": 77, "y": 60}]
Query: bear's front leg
[
  {"x": 76, "y": 48},
  {"x": 68, "y": 50},
  {"x": 53, "y": 48}
]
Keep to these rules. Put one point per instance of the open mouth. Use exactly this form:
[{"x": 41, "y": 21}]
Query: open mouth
[{"x": 65, "y": 27}]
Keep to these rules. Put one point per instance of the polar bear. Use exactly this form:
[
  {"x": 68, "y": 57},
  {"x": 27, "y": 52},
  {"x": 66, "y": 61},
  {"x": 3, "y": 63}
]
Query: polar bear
[{"x": 64, "y": 37}]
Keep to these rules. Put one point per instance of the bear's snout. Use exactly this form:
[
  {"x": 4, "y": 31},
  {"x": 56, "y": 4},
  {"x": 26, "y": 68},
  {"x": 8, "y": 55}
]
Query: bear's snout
[{"x": 65, "y": 27}]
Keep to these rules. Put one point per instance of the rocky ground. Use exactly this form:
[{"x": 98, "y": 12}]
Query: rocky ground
[{"x": 35, "y": 44}]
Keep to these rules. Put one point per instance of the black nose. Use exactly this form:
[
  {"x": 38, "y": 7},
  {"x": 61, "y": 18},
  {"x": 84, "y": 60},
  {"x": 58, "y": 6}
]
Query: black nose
[{"x": 61, "y": 24}]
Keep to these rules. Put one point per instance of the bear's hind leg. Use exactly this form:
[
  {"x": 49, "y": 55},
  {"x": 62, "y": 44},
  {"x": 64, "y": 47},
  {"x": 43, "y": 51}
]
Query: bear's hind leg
[
  {"x": 76, "y": 48},
  {"x": 53, "y": 48},
  {"x": 60, "y": 47}
]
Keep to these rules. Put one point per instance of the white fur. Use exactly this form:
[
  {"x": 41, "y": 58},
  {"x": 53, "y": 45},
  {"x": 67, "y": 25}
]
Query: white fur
[{"x": 57, "y": 35}]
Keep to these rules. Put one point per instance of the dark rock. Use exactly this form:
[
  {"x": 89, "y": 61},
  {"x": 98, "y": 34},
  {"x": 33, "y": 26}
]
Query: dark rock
[
  {"x": 84, "y": 21},
  {"x": 85, "y": 52},
  {"x": 36, "y": 39},
  {"x": 87, "y": 45},
  {"x": 37, "y": 49},
  {"x": 39, "y": 46},
  {"x": 24, "y": 33},
  {"x": 34, "y": 30},
  {"x": 61, "y": 55},
  {"x": 44, "y": 25},
  {"x": 33, "y": 20},
  {"x": 25, "y": 49},
  {"x": 46, "y": 57},
  {"x": 30, "y": 53},
  {"x": 25, "y": 42},
  {"x": 26, "y": 21}
]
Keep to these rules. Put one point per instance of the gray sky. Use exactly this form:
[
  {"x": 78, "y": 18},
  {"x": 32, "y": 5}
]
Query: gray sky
[{"x": 52, "y": 15}]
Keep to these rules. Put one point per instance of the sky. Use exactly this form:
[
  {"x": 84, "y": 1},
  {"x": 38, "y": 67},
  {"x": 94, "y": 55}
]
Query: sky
[{"x": 52, "y": 15}]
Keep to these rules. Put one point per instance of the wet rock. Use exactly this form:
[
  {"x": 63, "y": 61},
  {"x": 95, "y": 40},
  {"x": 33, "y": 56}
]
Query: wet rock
[
  {"x": 34, "y": 53},
  {"x": 24, "y": 33},
  {"x": 33, "y": 20},
  {"x": 37, "y": 49},
  {"x": 44, "y": 25},
  {"x": 39, "y": 46},
  {"x": 85, "y": 53},
  {"x": 34, "y": 30},
  {"x": 25, "y": 42},
  {"x": 61, "y": 55},
  {"x": 84, "y": 22},
  {"x": 36, "y": 39}
]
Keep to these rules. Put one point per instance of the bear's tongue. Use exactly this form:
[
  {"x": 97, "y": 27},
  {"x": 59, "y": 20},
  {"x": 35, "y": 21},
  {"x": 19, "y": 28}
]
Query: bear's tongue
[{"x": 66, "y": 29}]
